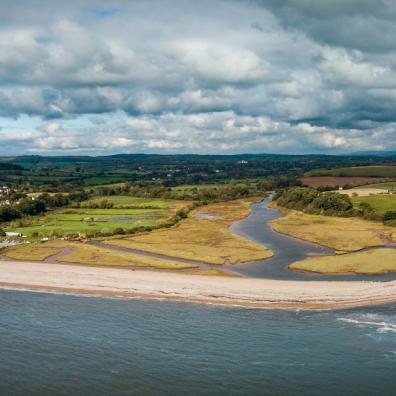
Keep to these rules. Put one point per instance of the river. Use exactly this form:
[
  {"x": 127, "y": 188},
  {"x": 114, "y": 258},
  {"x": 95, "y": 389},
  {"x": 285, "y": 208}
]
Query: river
[{"x": 257, "y": 227}]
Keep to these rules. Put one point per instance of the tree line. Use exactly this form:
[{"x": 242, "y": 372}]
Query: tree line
[
  {"x": 312, "y": 201},
  {"x": 33, "y": 206}
]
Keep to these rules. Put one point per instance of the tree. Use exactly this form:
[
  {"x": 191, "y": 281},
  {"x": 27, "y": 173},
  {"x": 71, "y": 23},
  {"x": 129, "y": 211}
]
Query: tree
[
  {"x": 31, "y": 207},
  {"x": 8, "y": 213},
  {"x": 390, "y": 215}
]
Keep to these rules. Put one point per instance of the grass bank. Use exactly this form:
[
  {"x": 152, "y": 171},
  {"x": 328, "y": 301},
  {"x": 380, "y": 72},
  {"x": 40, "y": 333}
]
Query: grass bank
[
  {"x": 339, "y": 233},
  {"x": 35, "y": 252},
  {"x": 78, "y": 253},
  {"x": 370, "y": 262}
]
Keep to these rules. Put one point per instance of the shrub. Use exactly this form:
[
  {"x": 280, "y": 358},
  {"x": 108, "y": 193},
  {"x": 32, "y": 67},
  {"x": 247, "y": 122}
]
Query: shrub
[
  {"x": 119, "y": 231},
  {"x": 389, "y": 217},
  {"x": 8, "y": 213},
  {"x": 333, "y": 204},
  {"x": 56, "y": 233},
  {"x": 29, "y": 207}
]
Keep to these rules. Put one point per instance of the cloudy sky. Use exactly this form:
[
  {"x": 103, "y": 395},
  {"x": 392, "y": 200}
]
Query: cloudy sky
[{"x": 187, "y": 76}]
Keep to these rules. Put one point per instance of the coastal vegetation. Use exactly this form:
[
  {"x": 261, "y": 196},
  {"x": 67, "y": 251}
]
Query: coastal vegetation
[
  {"x": 369, "y": 262},
  {"x": 78, "y": 253},
  {"x": 204, "y": 236},
  {"x": 341, "y": 222},
  {"x": 312, "y": 201},
  {"x": 375, "y": 207},
  {"x": 35, "y": 252},
  {"x": 343, "y": 234}
]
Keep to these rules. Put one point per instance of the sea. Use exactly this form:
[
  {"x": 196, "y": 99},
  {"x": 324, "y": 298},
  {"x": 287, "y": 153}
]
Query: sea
[{"x": 54, "y": 344}]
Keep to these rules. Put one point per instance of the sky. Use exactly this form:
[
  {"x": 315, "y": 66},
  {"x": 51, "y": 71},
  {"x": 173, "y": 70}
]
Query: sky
[{"x": 187, "y": 76}]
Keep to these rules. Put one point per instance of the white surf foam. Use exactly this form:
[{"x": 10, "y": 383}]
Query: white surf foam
[{"x": 382, "y": 324}]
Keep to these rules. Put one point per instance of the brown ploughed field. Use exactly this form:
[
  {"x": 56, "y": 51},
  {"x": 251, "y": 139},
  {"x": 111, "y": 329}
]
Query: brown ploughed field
[{"x": 332, "y": 181}]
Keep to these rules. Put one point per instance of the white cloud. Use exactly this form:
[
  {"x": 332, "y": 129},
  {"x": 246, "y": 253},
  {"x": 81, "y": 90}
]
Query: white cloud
[
  {"x": 201, "y": 133},
  {"x": 199, "y": 76}
]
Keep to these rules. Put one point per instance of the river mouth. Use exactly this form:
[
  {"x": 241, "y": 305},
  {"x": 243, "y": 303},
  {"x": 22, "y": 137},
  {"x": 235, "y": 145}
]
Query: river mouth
[{"x": 258, "y": 228}]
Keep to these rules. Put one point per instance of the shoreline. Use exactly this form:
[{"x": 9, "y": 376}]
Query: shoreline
[{"x": 228, "y": 291}]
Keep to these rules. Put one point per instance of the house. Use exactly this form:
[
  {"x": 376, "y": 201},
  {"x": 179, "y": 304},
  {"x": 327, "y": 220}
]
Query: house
[{"x": 13, "y": 234}]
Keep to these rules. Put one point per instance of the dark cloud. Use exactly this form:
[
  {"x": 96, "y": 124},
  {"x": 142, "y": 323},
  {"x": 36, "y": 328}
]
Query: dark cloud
[{"x": 360, "y": 24}]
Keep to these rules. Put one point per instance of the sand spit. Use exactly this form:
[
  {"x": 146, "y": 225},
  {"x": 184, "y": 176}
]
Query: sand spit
[{"x": 247, "y": 292}]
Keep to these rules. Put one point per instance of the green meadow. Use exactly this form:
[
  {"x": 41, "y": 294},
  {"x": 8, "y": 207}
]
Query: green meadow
[
  {"x": 127, "y": 213},
  {"x": 381, "y": 203},
  {"x": 120, "y": 201},
  {"x": 383, "y": 186}
]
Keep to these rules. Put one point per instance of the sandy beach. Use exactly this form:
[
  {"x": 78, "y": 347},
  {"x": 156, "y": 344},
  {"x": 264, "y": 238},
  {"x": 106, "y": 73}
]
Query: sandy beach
[{"x": 259, "y": 293}]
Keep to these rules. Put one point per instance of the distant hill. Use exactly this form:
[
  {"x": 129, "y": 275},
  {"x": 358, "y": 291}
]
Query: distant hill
[{"x": 374, "y": 153}]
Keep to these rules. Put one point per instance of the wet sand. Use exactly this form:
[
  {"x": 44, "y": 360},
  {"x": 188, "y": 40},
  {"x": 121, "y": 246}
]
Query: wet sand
[{"x": 247, "y": 292}]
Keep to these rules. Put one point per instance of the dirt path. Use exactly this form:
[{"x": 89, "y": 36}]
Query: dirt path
[
  {"x": 5, "y": 258},
  {"x": 54, "y": 258},
  {"x": 385, "y": 239},
  {"x": 154, "y": 255}
]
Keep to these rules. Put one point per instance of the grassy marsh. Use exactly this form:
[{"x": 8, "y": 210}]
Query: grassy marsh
[
  {"x": 339, "y": 233},
  {"x": 78, "y": 253},
  {"x": 370, "y": 262}
]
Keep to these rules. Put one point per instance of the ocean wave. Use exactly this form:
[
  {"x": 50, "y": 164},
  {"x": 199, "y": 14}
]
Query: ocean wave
[{"x": 380, "y": 323}]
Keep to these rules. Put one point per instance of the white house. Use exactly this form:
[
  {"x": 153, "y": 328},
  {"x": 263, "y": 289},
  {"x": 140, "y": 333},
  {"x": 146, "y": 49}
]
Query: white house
[{"x": 13, "y": 234}]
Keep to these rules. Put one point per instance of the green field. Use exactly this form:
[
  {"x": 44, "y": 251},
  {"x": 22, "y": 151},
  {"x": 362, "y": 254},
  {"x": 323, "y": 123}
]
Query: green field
[
  {"x": 111, "y": 185},
  {"x": 381, "y": 203},
  {"x": 120, "y": 201},
  {"x": 357, "y": 171},
  {"x": 238, "y": 182},
  {"x": 189, "y": 187},
  {"x": 145, "y": 212},
  {"x": 383, "y": 186}
]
